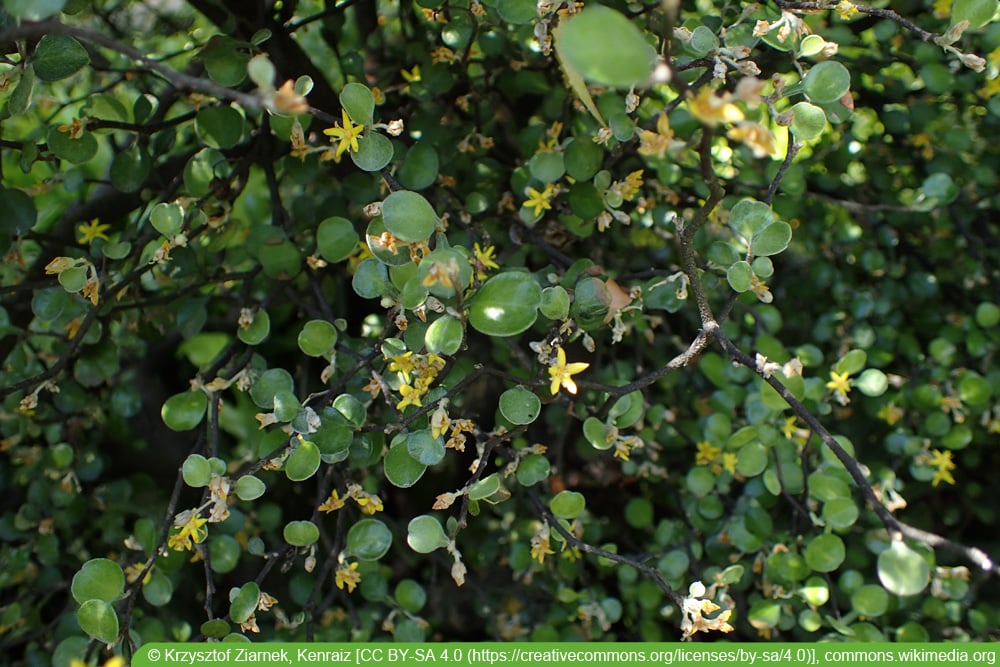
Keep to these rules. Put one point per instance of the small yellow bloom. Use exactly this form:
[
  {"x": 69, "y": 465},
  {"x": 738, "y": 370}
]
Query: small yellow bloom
[
  {"x": 411, "y": 76},
  {"x": 890, "y": 413},
  {"x": 839, "y": 383},
  {"x": 656, "y": 143},
  {"x": 333, "y": 503},
  {"x": 707, "y": 453},
  {"x": 484, "y": 260},
  {"x": 347, "y": 134},
  {"x": 74, "y": 129},
  {"x": 788, "y": 430},
  {"x": 562, "y": 373},
  {"x": 756, "y": 137},
  {"x": 411, "y": 396},
  {"x": 540, "y": 201},
  {"x": 439, "y": 422},
  {"x": 943, "y": 461},
  {"x": 60, "y": 264},
  {"x": 192, "y": 531},
  {"x": 404, "y": 364},
  {"x": 347, "y": 575},
  {"x": 540, "y": 546},
  {"x": 846, "y": 9},
  {"x": 92, "y": 230},
  {"x": 712, "y": 109}
]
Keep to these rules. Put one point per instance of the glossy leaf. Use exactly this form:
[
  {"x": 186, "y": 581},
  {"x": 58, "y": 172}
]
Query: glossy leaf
[
  {"x": 424, "y": 534},
  {"x": 902, "y": 570},
  {"x": 409, "y": 216},
  {"x": 317, "y": 338},
  {"x": 58, "y": 56},
  {"x": 567, "y": 504},
  {"x": 301, "y": 533},
  {"x": 98, "y": 579},
  {"x": 302, "y": 463},
  {"x": 243, "y": 604},
  {"x": 98, "y": 619},
  {"x": 359, "y": 102},
  {"x": 520, "y": 406},
  {"x": 368, "y": 539},
  {"x": 184, "y": 411},
  {"x": 625, "y": 58},
  {"x": 827, "y": 82},
  {"x": 506, "y": 305},
  {"x": 401, "y": 469},
  {"x": 336, "y": 239},
  {"x": 196, "y": 471}
]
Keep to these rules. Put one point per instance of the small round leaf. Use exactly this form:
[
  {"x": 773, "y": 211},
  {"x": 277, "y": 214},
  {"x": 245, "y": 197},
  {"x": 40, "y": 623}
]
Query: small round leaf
[
  {"x": 317, "y": 338},
  {"x": 902, "y": 570},
  {"x": 740, "y": 276},
  {"x": 98, "y": 579},
  {"x": 369, "y": 539},
  {"x": 533, "y": 469},
  {"x": 336, "y": 239},
  {"x": 184, "y": 411},
  {"x": 98, "y": 619},
  {"x": 425, "y": 448},
  {"x": 827, "y": 82},
  {"x": 444, "y": 335},
  {"x": 506, "y": 305},
  {"x": 409, "y": 216},
  {"x": 301, "y": 533},
  {"x": 825, "y": 553},
  {"x": 358, "y": 100},
  {"x": 74, "y": 151},
  {"x": 303, "y": 462},
  {"x": 243, "y": 604},
  {"x": 625, "y": 58},
  {"x": 401, "y": 469},
  {"x": 249, "y": 487},
  {"x": 258, "y": 329},
  {"x": 520, "y": 406},
  {"x": 568, "y": 504},
  {"x": 374, "y": 152},
  {"x": 58, "y": 56},
  {"x": 196, "y": 471},
  {"x": 424, "y": 534}
]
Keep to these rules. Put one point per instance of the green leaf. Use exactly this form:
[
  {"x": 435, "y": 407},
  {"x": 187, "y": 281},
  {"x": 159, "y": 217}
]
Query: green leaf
[
  {"x": 20, "y": 97},
  {"x": 870, "y": 600},
  {"x": 568, "y": 504},
  {"x": 219, "y": 127},
  {"x": 269, "y": 383},
  {"x": 872, "y": 382},
  {"x": 771, "y": 240},
  {"x": 485, "y": 487},
  {"x": 216, "y": 628},
  {"x": 261, "y": 71},
  {"x": 852, "y": 362},
  {"x": 517, "y": 11},
  {"x": 420, "y": 167},
  {"x": 555, "y": 303},
  {"x": 129, "y": 169},
  {"x": 58, "y": 56},
  {"x": 286, "y": 405},
  {"x": 374, "y": 152},
  {"x": 401, "y": 469},
  {"x": 317, "y": 338},
  {"x": 409, "y": 216},
  {"x": 33, "y": 10},
  {"x": 410, "y": 595},
  {"x": 98, "y": 579},
  {"x": 351, "y": 409},
  {"x": 196, "y": 471},
  {"x": 19, "y": 211},
  {"x": 840, "y": 513},
  {"x": 224, "y": 553},
  {"x": 301, "y": 533},
  {"x": 73, "y": 279},
  {"x": 225, "y": 60},
  {"x": 98, "y": 619},
  {"x": 977, "y": 12},
  {"x": 825, "y": 553},
  {"x": 74, "y": 151},
  {"x": 749, "y": 217},
  {"x": 506, "y": 305},
  {"x": 184, "y": 411},
  {"x": 359, "y": 102},
  {"x": 740, "y": 276},
  {"x": 703, "y": 41},
  {"x": 987, "y": 314},
  {"x": 624, "y": 59},
  {"x": 168, "y": 219},
  {"x": 974, "y": 389},
  {"x": 520, "y": 406},
  {"x": 444, "y": 335},
  {"x": 258, "y": 330},
  {"x": 249, "y": 487},
  {"x": 827, "y": 82},
  {"x": 371, "y": 279},
  {"x": 751, "y": 459},
  {"x": 532, "y": 469},
  {"x": 902, "y": 570},
  {"x": 303, "y": 462},
  {"x": 158, "y": 590},
  {"x": 425, "y": 448},
  {"x": 424, "y": 534},
  {"x": 808, "y": 120},
  {"x": 368, "y": 539},
  {"x": 243, "y": 604},
  {"x": 596, "y": 433},
  {"x": 336, "y": 239}
]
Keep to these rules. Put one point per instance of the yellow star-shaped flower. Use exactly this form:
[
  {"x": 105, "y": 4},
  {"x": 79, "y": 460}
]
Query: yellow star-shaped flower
[
  {"x": 92, "y": 231},
  {"x": 942, "y": 460},
  {"x": 539, "y": 201},
  {"x": 347, "y": 134},
  {"x": 839, "y": 382},
  {"x": 562, "y": 373}
]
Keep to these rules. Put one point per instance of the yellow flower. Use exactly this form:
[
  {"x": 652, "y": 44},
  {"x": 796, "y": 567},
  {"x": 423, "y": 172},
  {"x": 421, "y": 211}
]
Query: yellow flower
[
  {"x": 484, "y": 260},
  {"x": 562, "y": 373},
  {"x": 942, "y": 460},
  {"x": 412, "y": 76},
  {"x": 846, "y": 9},
  {"x": 729, "y": 463},
  {"x": 347, "y": 575},
  {"x": 347, "y": 134},
  {"x": 788, "y": 430},
  {"x": 839, "y": 383},
  {"x": 540, "y": 201},
  {"x": 74, "y": 129},
  {"x": 439, "y": 422},
  {"x": 707, "y": 453},
  {"x": 756, "y": 137},
  {"x": 192, "y": 530},
  {"x": 540, "y": 547},
  {"x": 411, "y": 396},
  {"x": 659, "y": 142},
  {"x": 333, "y": 503},
  {"x": 712, "y": 109},
  {"x": 92, "y": 230},
  {"x": 60, "y": 264},
  {"x": 890, "y": 413},
  {"x": 403, "y": 364}
]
